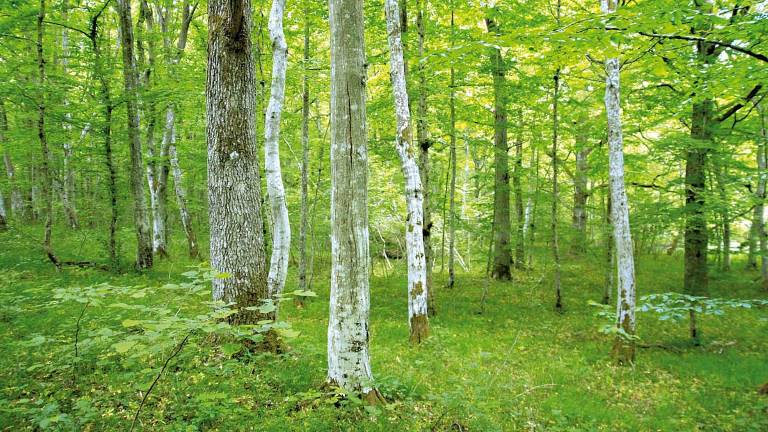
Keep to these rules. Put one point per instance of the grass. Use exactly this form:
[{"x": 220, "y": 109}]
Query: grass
[{"x": 518, "y": 366}]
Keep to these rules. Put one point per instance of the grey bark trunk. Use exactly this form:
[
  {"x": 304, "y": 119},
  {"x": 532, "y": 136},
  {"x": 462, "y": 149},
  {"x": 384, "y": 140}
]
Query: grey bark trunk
[
  {"x": 304, "y": 163},
  {"x": 762, "y": 161},
  {"x": 144, "y": 254},
  {"x": 518, "y": 188},
  {"x": 234, "y": 197},
  {"x": 555, "y": 193},
  {"x": 349, "y": 364},
  {"x": 502, "y": 258}
]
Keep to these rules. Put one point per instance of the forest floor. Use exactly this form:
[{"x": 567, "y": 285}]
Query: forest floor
[{"x": 518, "y": 366}]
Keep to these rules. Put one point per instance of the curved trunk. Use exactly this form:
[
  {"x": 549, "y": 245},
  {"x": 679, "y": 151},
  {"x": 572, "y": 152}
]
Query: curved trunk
[
  {"x": 414, "y": 237},
  {"x": 234, "y": 197},
  {"x": 281, "y": 228}
]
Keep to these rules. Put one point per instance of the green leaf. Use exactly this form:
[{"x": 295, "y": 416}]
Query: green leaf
[
  {"x": 131, "y": 323},
  {"x": 124, "y": 346}
]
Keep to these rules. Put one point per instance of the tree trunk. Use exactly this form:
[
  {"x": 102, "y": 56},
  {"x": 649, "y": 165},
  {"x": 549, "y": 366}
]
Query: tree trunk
[
  {"x": 304, "y": 164},
  {"x": 47, "y": 179},
  {"x": 555, "y": 193},
  {"x": 518, "y": 188},
  {"x": 422, "y": 136},
  {"x": 349, "y": 364},
  {"x": 414, "y": 232},
  {"x": 502, "y": 259},
  {"x": 181, "y": 195},
  {"x": 106, "y": 102},
  {"x": 610, "y": 255},
  {"x": 580, "y": 196},
  {"x": 130, "y": 75},
  {"x": 624, "y": 346},
  {"x": 281, "y": 228},
  {"x": 68, "y": 187},
  {"x": 452, "y": 187},
  {"x": 234, "y": 196},
  {"x": 721, "y": 172},
  {"x": 530, "y": 207},
  {"x": 761, "y": 193},
  {"x": 17, "y": 201}
]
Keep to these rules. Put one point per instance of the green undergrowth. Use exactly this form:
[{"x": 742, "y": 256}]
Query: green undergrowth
[{"x": 518, "y": 366}]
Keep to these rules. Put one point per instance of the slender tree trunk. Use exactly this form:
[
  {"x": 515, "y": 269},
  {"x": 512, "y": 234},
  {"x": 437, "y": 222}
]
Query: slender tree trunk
[
  {"x": 106, "y": 132},
  {"x": 752, "y": 239},
  {"x": 130, "y": 75},
  {"x": 47, "y": 179},
  {"x": 580, "y": 196},
  {"x": 761, "y": 193},
  {"x": 3, "y": 213},
  {"x": 452, "y": 187},
  {"x": 422, "y": 136},
  {"x": 518, "y": 188},
  {"x": 17, "y": 201},
  {"x": 624, "y": 346},
  {"x": 349, "y": 364},
  {"x": 530, "y": 208},
  {"x": 304, "y": 162},
  {"x": 234, "y": 196},
  {"x": 68, "y": 187},
  {"x": 414, "y": 232},
  {"x": 281, "y": 228},
  {"x": 181, "y": 195},
  {"x": 555, "y": 193},
  {"x": 501, "y": 250},
  {"x": 725, "y": 217}
]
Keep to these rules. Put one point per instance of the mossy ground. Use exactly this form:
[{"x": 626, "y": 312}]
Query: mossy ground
[{"x": 518, "y": 366}]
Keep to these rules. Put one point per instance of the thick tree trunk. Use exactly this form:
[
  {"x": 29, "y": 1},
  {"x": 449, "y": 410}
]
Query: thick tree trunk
[
  {"x": 624, "y": 347},
  {"x": 414, "y": 236},
  {"x": 349, "y": 364},
  {"x": 234, "y": 197},
  {"x": 304, "y": 164},
  {"x": 502, "y": 258},
  {"x": 518, "y": 188},
  {"x": 422, "y": 136},
  {"x": 281, "y": 228},
  {"x": 140, "y": 217},
  {"x": 47, "y": 178},
  {"x": 555, "y": 193}
]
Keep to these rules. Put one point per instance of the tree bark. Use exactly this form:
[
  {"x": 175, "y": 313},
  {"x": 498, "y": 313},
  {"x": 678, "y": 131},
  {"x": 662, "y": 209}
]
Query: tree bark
[
  {"x": 555, "y": 193},
  {"x": 68, "y": 187},
  {"x": 281, "y": 228},
  {"x": 580, "y": 196},
  {"x": 144, "y": 254},
  {"x": 762, "y": 161},
  {"x": 17, "y": 201},
  {"x": 518, "y": 188},
  {"x": 422, "y": 136},
  {"x": 304, "y": 163},
  {"x": 414, "y": 232},
  {"x": 725, "y": 217},
  {"x": 234, "y": 196},
  {"x": 502, "y": 258},
  {"x": 624, "y": 346},
  {"x": 349, "y": 364}
]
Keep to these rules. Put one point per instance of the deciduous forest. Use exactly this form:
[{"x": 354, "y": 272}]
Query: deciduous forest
[{"x": 383, "y": 215}]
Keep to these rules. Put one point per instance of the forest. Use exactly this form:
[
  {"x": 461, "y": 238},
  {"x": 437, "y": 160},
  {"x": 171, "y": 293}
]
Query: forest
[{"x": 383, "y": 215}]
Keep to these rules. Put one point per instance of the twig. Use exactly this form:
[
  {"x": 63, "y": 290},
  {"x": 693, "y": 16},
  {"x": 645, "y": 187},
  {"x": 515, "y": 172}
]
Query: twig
[{"x": 174, "y": 353}]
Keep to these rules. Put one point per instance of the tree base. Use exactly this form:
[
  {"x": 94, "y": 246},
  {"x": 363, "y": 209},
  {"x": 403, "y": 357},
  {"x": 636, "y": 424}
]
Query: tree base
[
  {"x": 419, "y": 329},
  {"x": 624, "y": 352}
]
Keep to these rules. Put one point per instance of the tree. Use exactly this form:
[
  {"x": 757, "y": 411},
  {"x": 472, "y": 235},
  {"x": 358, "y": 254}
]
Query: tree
[
  {"x": 304, "y": 162},
  {"x": 624, "y": 347},
  {"x": 414, "y": 237},
  {"x": 234, "y": 197},
  {"x": 281, "y": 228},
  {"x": 131, "y": 81},
  {"x": 349, "y": 364},
  {"x": 502, "y": 258}
]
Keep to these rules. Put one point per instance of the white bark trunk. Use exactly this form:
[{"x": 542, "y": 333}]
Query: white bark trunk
[
  {"x": 625, "y": 299},
  {"x": 178, "y": 183},
  {"x": 348, "y": 357},
  {"x": 68, "y": 188},
  {"x": 281, "y": 229},
  {"x": 414, "y": 238}
]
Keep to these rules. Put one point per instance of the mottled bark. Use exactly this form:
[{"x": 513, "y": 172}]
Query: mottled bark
[
  {"x": 234, "y": 197},
  {"x": 422, "y": 136},
  {"x": 144, "y": 254},
  {"x": 624, "y": 346},
  {"x": 281, "y": 228},
  {"x": 502, "y": 258},
  {"x": 349, "y": 364},
  {"x": 414, "y": 231}
]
